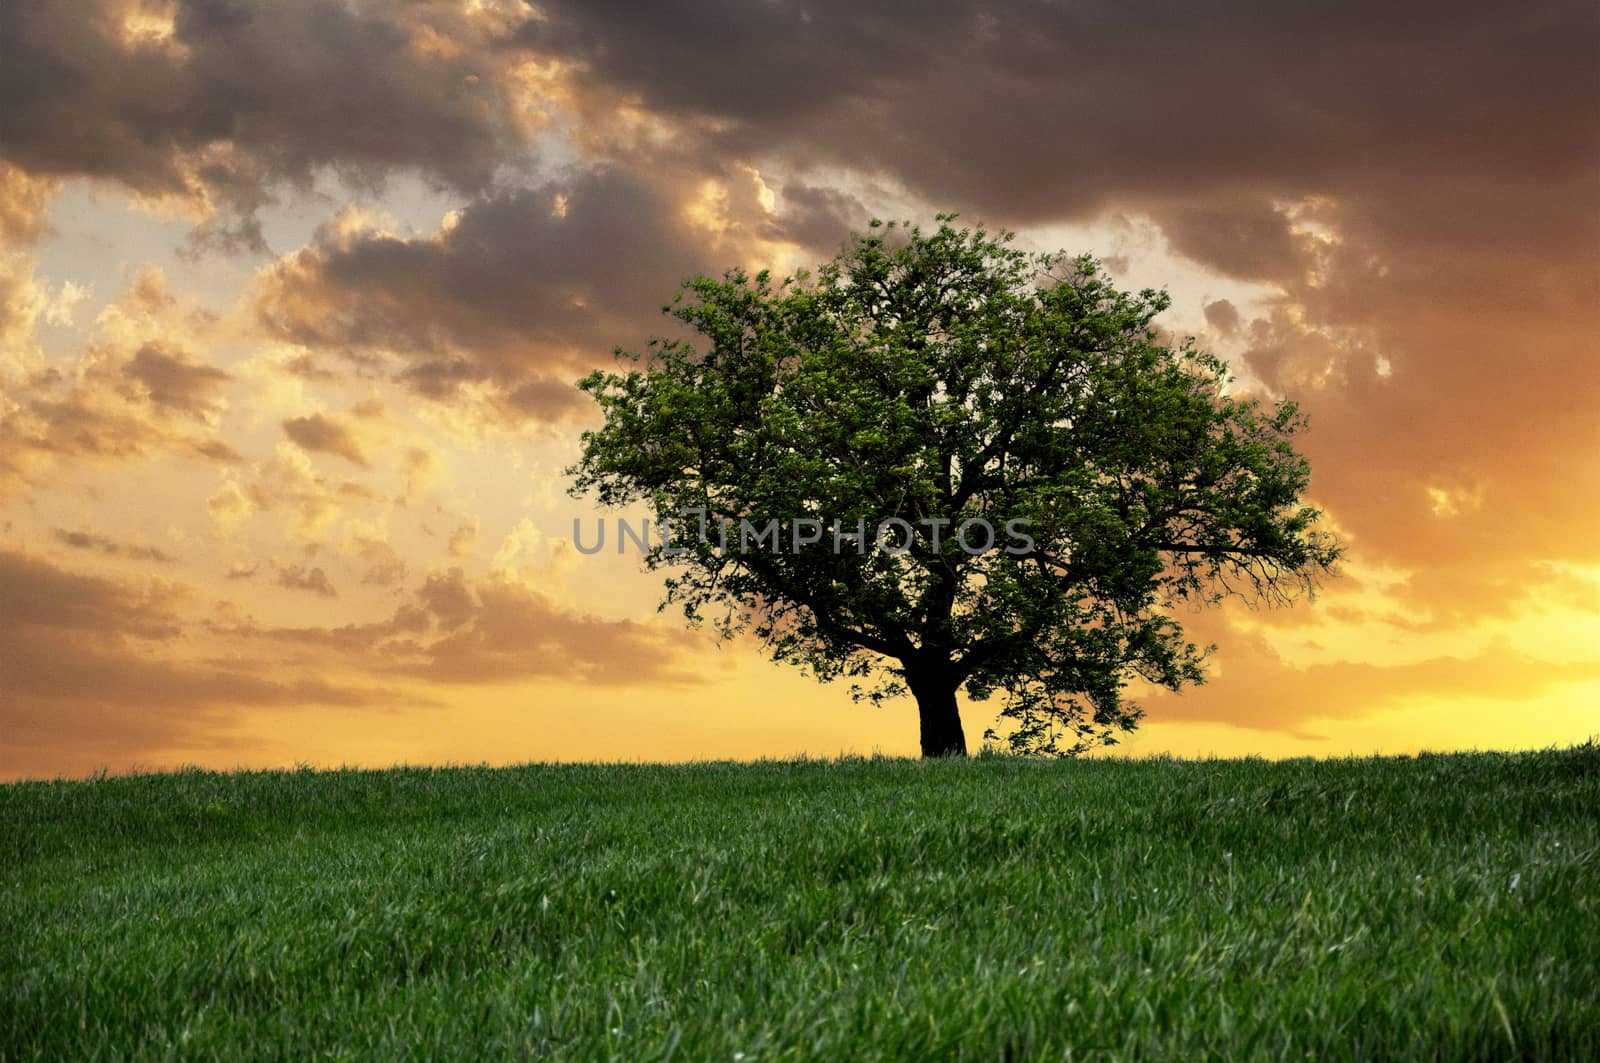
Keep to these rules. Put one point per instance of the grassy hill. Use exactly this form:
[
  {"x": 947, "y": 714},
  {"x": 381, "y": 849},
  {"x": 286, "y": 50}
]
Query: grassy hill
[{"x": 1439, "y": 906}]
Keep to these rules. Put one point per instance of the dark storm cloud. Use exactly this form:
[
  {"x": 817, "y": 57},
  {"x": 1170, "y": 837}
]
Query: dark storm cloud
[
  {"x": 509, "y": 279},
  {"x": 1223, "y": 316},
  {"x": 526, "y": 286},
  {"x": 1044, "y": 109},
  {"x": 1247, "y": 238},
  {"x": 1029, "y": 111},
  {"x": 284, "y": 88}
]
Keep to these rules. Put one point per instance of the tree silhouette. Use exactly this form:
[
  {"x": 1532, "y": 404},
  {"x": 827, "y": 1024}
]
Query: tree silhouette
[{"x": 951, "y": 389}]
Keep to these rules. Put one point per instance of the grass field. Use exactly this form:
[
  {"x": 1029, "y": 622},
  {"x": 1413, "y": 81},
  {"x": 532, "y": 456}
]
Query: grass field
[{"x": 1440, "y": 906}]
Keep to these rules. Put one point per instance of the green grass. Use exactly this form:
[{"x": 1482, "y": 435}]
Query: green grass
[{"x": 1430, "y": 907}]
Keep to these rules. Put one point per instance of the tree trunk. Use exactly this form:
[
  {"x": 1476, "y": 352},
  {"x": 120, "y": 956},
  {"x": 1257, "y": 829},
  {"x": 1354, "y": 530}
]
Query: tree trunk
[{"x": 941, "y": 718}]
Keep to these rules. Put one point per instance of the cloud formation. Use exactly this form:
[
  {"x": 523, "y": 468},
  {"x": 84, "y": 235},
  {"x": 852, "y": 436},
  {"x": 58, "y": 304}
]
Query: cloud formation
[
  {"x": 136, "y": 390},
  {"x": 105, "y": 544},
  {"x": 1392, "y": 214},
  {"x": 311, "y": 579},
  {"x": 172, "y": 382},
  {"x": 218, "y": 104},
  {"x": 93, "y": 674},
  {"x": 319, "y": 432},
  {"x": 522, "y": 290},
  {"x": 456, "y": 630}
]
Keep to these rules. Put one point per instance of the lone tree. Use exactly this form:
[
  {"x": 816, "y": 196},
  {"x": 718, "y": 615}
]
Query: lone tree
[{"x": 917, "y": 383}]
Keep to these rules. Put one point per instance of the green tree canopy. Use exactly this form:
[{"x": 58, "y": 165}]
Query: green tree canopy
[{"x": 935, "y": 380}]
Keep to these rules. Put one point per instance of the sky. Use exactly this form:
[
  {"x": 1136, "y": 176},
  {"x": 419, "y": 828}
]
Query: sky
[{"x": 293, "y": 296}]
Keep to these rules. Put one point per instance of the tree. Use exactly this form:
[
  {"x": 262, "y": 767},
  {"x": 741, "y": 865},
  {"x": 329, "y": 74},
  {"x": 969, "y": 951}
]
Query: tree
[{"x": 919, "y": 383}]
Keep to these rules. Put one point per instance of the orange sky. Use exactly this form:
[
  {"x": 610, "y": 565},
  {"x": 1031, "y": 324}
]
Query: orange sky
[{"x": 292, "y": 297}]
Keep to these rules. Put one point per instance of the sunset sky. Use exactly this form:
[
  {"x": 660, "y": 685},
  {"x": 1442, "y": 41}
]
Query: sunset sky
[{"x": 293, "y": 294}]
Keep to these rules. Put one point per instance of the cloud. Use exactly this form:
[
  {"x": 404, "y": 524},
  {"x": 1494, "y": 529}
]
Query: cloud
[
  {"x": 287, "y": 483},
  {"x": 1247, "y": 238},
  {"x": 459, "y": 631},
  {"x": 63, "y": 305},
  {"x": 384, "y": 566},
  {"x": 463, "y": 540},
  {"x": 230, "y": 506},
  {"x": 514, "y": 297},
  {"x": 1410, "y": 198},
  {"x": 1223, "y": 316},
  {"x": 174, "y": 383},
  {"x": 93, "y": 675},
  {"x": 508, "y": 293},
  {"x": 77, "y": 422},
  {"x": 81, "y": 540},
  {"x": 324, "y": 434},
  {"x": 21, "y": 302},
  {"x": 301, "y": 578},
  {"x": 38, "y": 595},
  {"x": 1253, "y": 687},
  {"x": 135, "y": 391},
  {"x": 1047, "y": 111},
  {"x": 216, "y": 103},
  {"x": 23, "y": 204},
  {"x": 514, "y": 633},
  {"x": 448, "y": 598}
]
